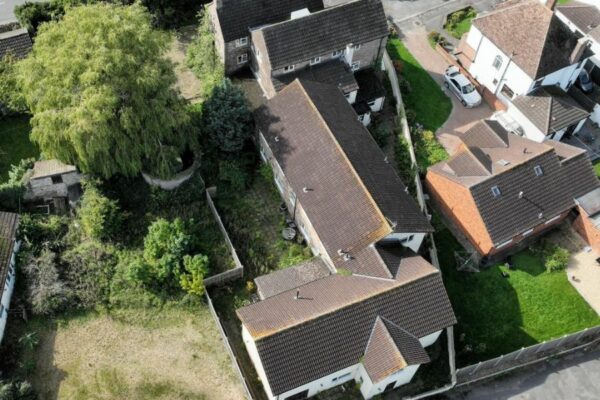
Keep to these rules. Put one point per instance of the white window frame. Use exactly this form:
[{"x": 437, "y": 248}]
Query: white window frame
[
  {"x": 407, "y": 239},
  {"x": 538, "y": 170},
  {"x": 242, "y": 58},
  {"x": 243, "y": 41},
  {"x": 496, "y": 191},
  {"x": 315, "y": 60},
  {"x": 337, "y": 53},
  {"x": 355, "y": 65},
  {"x": 497, "y": 63},
  {"x": 289, "y": 68}
]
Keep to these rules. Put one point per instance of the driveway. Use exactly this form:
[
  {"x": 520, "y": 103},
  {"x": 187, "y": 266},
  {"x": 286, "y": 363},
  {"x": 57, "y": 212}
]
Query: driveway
[
  {"x": 461, "y": 118},
  {"x": 574, "y": 377}
]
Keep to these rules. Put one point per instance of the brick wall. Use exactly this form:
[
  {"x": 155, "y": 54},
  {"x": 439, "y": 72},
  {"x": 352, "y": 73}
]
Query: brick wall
[{"x": 587, "y": 230}]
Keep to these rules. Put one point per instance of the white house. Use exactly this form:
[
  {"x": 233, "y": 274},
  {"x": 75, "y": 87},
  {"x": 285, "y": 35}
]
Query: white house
[
  {"x": 8, "y": 249},
  {"x": 521, "y": 47},
  {"x": 366, "y": 306}
]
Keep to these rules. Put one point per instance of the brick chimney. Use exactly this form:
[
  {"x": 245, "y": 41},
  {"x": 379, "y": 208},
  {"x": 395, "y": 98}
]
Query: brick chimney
[{"x": 551, "y": 4}]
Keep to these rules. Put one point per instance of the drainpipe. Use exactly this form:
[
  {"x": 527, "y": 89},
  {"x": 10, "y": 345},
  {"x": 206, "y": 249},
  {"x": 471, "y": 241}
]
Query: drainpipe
[{"x": 501, "y": 80}]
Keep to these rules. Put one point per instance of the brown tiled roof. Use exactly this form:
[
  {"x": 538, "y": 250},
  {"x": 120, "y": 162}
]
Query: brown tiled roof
[
  {"x": 400, "y": 261},
  {"x": 526, "y": 200},
  {"x": 391, "y": 349},
  {"x": 300, "y": 39},
  {"x": 377, "y": 174},
  {"x": 236, "y": 17},
  {"x": 327, "y": 328},
  {"x": 8, "y": 231},
  {"x": 326, "y": 185},
  {"x": 45, "y": 168},
  {"x": 538, "y": 41},
  {"x": 550, "y": 109},
  {"x": 586, "y": 17},
  {"x": 290, "y": 278},
  {"x": 334, "y": 72},
  {"x": 17, "y": 42}
]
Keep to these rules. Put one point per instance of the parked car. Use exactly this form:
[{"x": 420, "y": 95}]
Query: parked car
[
  {"x": 584, "y": 82},
  {"x": 461, "y": 87}
]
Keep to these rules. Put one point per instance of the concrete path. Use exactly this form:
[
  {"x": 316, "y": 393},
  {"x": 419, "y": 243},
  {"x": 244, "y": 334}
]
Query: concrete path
[
  {"x": 572, "y": 377},
  {"x": 461, "y": 118}
]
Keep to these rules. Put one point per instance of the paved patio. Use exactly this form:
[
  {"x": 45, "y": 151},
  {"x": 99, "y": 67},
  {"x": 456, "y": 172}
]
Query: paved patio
[
  {"x": 461, "y": 118},
  {"x": 583, "y": 270}
]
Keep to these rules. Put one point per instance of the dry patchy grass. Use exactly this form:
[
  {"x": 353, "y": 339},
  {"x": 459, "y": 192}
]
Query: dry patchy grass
[{"x": 168, "y": 354}]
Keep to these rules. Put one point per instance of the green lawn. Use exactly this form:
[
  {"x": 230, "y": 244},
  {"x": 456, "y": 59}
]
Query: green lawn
[
  {"x": 426, "y": 98},
  {"x": 597, "y": 168},
  {"x": 459, "y": 22},
  {"x": 14, "y": 143},
  {"x": 497, "y": 315}
]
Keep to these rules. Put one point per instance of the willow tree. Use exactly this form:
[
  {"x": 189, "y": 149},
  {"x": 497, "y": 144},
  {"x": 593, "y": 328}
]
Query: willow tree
[{"x": 102, "y": 92}]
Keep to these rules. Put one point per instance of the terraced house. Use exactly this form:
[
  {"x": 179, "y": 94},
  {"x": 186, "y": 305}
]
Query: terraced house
[
  {"x": 501, "y": 190},
  {"x": 366, "y": 307},
  {"x": 8, "y": 249},
  {"x": 335, "y": 43}
]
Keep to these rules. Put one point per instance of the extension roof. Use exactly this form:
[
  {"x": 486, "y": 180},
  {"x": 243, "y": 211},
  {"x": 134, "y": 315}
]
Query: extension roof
[
  {"x": 46, "y": 168},
  {"x": 508, "y": 162},
  {"x": 8, "y": 233},
  {"x": 334, "y": 72},
  {"x": 590, "y": 202},
  {"x": 327, "y": 328},
  {"x": 550, "y": 109},
  {"x": 289, "y": 278},
  {"x": 529, "y": 32},
  {"x": 236, "y": 17},
  {"x": 300, "y": 39},
  {"x": 586, "y": 17},
  {"x": 16, "y": 42},
  {"x": 391, "y": 349}
]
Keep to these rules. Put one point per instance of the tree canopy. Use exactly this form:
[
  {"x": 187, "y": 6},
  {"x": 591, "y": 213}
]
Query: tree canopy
[{"x": 101, "y": 92}]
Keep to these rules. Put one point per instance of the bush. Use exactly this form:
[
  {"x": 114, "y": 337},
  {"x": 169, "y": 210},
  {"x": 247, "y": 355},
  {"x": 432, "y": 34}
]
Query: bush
[
  {"x": 403, "y": 162},
  {"x": 89, "y": 268},
  {"x": 233, "y": 174},
  {"x": 11, "y": 192},
  {"x": 380, "y": 133},
  {"x": 31, "y": 14},
  {"x": 556, "y": 258},
  {"x": 16, "y": 390},
  {"x": 40, "y": 231},
  {"x": 192, "y": 279},
  {"x": 46, "y": 292},
  {"x": 428, "y": 150},
  {"x": 100, "y": 217}
]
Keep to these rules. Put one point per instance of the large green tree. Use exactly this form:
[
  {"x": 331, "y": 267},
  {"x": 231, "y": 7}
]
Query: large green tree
[{"x": 101, "y": 92}]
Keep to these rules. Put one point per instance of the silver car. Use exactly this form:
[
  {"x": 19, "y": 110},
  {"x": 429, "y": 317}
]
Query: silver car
[{"x": 461, "y": 87}]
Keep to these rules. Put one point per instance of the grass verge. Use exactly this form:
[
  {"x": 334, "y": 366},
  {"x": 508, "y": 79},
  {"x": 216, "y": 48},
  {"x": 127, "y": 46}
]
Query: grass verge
[
  {"x": 14, "y": 143},
  {"x": 497, "y": 315},
  {"x": 425, "y": 96}
]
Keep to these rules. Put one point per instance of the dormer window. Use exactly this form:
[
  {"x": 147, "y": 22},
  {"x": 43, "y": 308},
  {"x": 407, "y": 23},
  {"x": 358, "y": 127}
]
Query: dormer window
[
  {"x": 315, "y": 60},
  {"x": 288, "y": 68},
  {"x": 497, "y": 62},
  {"x": 538, "y": 170},
  {"x": 337, "y": 53},
  {"x": 241, "y": 41},
  {"x": 495, "y": 191}
]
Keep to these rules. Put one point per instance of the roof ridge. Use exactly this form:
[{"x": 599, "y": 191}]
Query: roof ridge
[
  {"x": 379, "y": 232},
  {"x": 548, "y": 28},
  {"x": 469, "y": 149}
]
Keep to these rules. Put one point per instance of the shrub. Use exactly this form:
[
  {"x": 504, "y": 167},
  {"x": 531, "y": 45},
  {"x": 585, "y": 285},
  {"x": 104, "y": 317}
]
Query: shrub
[
  {"x": 192, "y": 279},
  {"x": 16, "y": 390},
  {"x": 380, "y": 133},
  {"x": 31, "y": 14},
  {"x": 40, "y": 230},
  {"x": 11, "y": 192},
  {"x": 428, "y": 150},
  {"x": 100, "y": 217},
  {"x": 556, "y": 258},
  {"x": 46, "y": 292},
  {"x": 403, "y": 162},
  {"x": 89, "y": 268},
  {"x": 233, "y": 174}
]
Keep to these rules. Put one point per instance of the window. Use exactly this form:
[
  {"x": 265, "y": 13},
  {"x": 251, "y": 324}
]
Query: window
[
  {"x": 289, "y": 68},
  {"x": 497, "y": 62},
  {"x": 242, "y": 58},
  {"x": 337, "y": 53},
  {"x": 56, "y": 179},
  {"x": 495, "y": 191},
  {"x": 407, "y": 239},
  {"x": 538, "y": 170},
  {"x": 341, "y": 377},
  {"x": 372, "y": 103},
  {"x": 355, "y": 65},
  {"x": 315, "y": 60},
  {"x": 508, "y": 92},
  {"x": 241, "y": 41}
]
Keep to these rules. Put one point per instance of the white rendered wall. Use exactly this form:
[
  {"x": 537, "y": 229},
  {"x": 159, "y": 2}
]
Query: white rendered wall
[
  {"x": 370, "y": 389},
  {"x": 530, "y": 131},
  {"x": 430, "y": 339},
  {"x": 8, "y": 290},
  {"x": 378, "y": 104}
]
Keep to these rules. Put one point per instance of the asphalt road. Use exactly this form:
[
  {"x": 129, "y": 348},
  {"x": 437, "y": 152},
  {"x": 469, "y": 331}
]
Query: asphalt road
[{"x": 574, "y": 377}]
